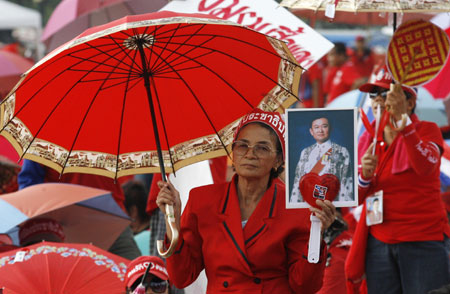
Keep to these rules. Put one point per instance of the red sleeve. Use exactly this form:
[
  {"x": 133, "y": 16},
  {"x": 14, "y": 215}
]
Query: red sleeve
[
  {"x": 186, "y": 263},
  {"x": 305, "y": 277},
  {"x": 363, "y": 184},
  {"x": 424, "y": 146}
]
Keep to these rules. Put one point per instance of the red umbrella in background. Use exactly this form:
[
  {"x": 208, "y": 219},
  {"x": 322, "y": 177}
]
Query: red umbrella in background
[
  {"x": 61, "y": 268},
  {"x": 12, "y": 66},
  {"x": 71, "y": 17},
  {"x": 439, "y": 87}
]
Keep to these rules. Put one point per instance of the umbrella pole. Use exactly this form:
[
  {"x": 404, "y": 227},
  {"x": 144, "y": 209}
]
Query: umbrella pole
[{"x": 169, "y": 208}]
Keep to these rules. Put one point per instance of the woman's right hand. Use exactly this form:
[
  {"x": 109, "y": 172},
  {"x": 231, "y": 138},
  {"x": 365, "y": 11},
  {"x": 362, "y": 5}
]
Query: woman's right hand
[
  {"x": 369, "y": 163},
  {"x": 168, "y": 195}
]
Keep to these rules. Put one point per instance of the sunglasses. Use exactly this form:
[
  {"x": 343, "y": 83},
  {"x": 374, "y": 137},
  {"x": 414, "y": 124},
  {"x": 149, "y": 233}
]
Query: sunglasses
[
  {"x": 383, "y": 94},
  {"x": 157, "y": 286},
  {"x": 375, "y": 94}
]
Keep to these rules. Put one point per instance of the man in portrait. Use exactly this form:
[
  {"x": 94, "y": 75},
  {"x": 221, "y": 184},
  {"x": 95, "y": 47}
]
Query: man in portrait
[{"x": 324, "y": 157}]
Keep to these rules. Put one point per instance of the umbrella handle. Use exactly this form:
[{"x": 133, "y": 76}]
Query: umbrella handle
[{"x": 173, "y": 243}]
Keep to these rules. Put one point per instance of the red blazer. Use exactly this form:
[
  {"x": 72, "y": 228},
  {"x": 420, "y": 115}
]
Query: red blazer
[{"x": 267, "y": 256}]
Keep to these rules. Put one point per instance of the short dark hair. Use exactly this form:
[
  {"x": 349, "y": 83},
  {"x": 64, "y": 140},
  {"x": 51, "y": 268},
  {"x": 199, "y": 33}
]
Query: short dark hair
[
  {"x": 136, "y": 195},
  {"x": 340, "y": 48}
]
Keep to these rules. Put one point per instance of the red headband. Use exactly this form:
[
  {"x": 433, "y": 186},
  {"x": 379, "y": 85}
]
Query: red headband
[{"x": 272, "y": 119}]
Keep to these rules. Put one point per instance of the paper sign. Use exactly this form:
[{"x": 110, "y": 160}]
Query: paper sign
[
  {"x": 267, "y": 17},
  {"x": 20, "y": 256}
]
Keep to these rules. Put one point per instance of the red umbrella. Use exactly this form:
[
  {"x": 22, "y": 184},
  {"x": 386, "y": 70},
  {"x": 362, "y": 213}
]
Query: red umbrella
[
  {"x": 86, "y": 107},
  {"x": 71, "y": 17},
  {"x": 146, "y": 93},
  {"x": 62, "y": 268},
  {"x": 12, "y": 65}
]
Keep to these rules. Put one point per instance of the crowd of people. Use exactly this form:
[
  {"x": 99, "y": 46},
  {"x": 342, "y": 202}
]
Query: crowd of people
[{"x": 240, "y": 232}]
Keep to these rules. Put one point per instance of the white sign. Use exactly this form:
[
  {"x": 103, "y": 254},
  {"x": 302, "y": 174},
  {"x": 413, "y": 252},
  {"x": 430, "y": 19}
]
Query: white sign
[{"x": 267, "y": 17}]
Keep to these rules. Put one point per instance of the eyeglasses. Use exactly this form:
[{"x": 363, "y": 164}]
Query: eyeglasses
[
  {"x": 382, "y": 93},
  {"x": 157, "y": 286},
  {"x": 241, "y": 148}
]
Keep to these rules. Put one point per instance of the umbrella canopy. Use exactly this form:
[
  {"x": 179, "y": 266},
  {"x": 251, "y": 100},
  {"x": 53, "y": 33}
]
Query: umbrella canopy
[
  {"x": 371, "y": 6},
  {"x": 12, "y": 66},
  {"x": 358, "y": 18},
  {"x": 62, "y": 268},
  {"x": 71, "y": 17},
  {"x": 87, "y": 215},
  {"x": 100, "y": 103}
]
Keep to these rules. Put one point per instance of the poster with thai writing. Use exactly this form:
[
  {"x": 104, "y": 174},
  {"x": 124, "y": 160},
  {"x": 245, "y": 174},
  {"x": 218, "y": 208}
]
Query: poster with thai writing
[{"x": 267, "y": 17}]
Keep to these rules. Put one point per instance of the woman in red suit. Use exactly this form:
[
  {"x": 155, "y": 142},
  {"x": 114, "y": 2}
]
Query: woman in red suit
[{"x": 240, "y": 232}]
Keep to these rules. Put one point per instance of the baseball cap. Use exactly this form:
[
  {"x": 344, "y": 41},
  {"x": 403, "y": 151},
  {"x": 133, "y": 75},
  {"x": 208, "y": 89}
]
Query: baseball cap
[
  {"x": 136, "y": 269},
  {"x": 383, "y": 78},
  {"x": 33, "y": 228}
]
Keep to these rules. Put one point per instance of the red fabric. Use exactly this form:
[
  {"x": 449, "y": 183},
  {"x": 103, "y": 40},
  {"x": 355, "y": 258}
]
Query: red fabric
[
  {"x": 364, "y": 62},
  {"x": 442, "y": 78},
  {"x": 271, "y": 247},
  {"x": 342, "y": 81},
  {"x": 355, "y": 263},
  {"x": 153, "y": 194},
  {"x": 334, "y": 277},
  {"x": 219, "y": 169},
  {"x": 416, "y": 217},
  {"x": 89, "y": 180}
]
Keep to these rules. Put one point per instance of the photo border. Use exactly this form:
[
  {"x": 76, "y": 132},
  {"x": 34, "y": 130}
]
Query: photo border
[{"x": 300, "y": 111}]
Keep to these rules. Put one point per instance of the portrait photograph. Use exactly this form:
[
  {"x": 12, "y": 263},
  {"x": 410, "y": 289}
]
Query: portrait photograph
[{"x": 321, "y": 157}]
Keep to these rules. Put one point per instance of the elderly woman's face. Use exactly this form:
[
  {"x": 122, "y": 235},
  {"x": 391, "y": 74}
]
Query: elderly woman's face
[{"x": 260, "y": 157}]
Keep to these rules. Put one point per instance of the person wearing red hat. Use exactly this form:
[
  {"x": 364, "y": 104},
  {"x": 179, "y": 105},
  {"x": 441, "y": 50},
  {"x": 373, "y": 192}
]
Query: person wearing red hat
[
  {"x": 40, "y": 229},
  {"x": 157, "y": 279},
  {"x": 406, "y": 252},
  {"x": 240, "y": 232},
  {"x": 362, "y": 57}
]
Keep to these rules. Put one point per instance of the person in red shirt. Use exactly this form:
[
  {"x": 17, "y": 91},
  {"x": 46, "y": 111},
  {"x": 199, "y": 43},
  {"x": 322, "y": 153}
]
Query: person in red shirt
[
  {"x": 362, "y": 57},
  {"x": 311, "y": 87},
  {"x": 342, "y": 76},
  {"x": 407, "y": 252}
]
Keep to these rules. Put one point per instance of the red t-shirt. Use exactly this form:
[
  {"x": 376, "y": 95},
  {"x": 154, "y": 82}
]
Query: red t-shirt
[
  {"x": 342, "y": 81},
  {"x": 408, "y": 173}
]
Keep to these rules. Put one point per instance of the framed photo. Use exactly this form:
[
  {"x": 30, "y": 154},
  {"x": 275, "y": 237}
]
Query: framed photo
[{"x": 321, "y": 156}]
